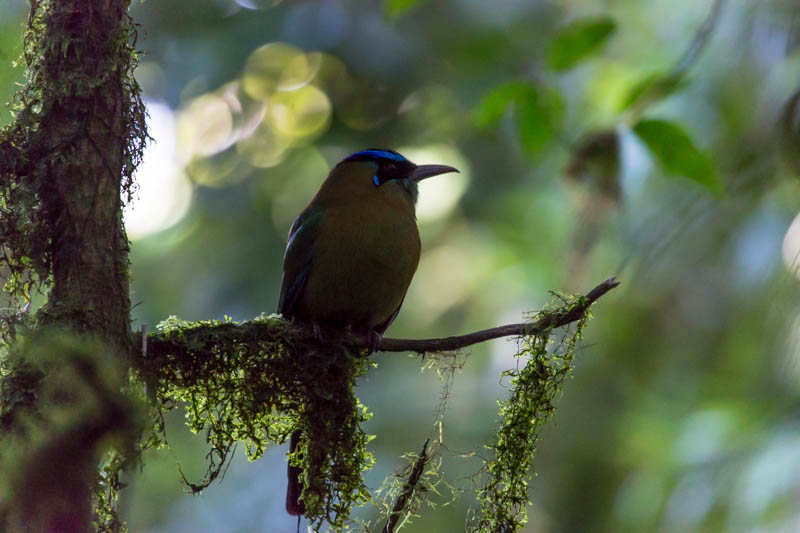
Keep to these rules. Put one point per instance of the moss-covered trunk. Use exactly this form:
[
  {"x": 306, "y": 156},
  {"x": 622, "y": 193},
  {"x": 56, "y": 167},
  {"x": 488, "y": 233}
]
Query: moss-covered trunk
[
  {"x": 82, "y": 143},
  {"x": 65, "y": 167}
]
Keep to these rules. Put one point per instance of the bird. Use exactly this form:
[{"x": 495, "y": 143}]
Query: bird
[{"x": 352, "y": 253}]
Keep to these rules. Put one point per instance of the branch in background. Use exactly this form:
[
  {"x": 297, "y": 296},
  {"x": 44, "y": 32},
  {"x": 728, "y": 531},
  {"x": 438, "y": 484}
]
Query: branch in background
[
  {"x": 408, "y": 490},
  {"x": 663, "y": 85},
  {"x": 700, "y": 40}
]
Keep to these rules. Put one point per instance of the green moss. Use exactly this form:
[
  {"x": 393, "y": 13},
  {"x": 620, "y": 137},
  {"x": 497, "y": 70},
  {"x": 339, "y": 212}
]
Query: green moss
[
  {"x": 258, "y": 381},
  {"x": 238, "y": 387},
  {"x": 67, "y": 58},
  {"x": 504, "y": 497},
  {"x": 79, "y": 87}
]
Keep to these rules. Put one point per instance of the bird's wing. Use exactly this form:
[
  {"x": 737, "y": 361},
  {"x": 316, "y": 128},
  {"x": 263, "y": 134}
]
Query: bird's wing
[
  {"x": 297, "y": 259},
  {"x": 380, "y": 329}
]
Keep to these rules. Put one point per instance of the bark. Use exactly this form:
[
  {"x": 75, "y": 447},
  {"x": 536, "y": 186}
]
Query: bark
[
  {"x": 73, "y": 148},
  {"x": 81, "y": 188}
]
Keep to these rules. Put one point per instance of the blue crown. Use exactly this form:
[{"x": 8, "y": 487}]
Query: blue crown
[{"x": 375, "y": 153}]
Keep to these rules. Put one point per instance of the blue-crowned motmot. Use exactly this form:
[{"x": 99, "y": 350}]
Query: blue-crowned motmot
[{"x": 352, "y": 253}]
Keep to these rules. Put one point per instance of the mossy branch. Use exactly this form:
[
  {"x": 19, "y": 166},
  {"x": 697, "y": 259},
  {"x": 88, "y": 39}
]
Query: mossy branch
[
  {"x": 207, "y": 336},
  {"x": 258, "y": 381},
  {"x": 66, "y": 167}
]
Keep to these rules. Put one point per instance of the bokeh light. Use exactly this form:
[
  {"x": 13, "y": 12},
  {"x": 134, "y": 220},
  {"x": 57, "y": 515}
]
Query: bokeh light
[
  {"x": 448, "y": 274},
  {"x": 164, "y": 192},
  {"x": 205, "y": 126},
  {"x": 304, "y": 172},
  {"x": 791, "y": 247},
  {"x": 300, "y": 114},
  {"x": 265, "y": 147},
  {"x": 277, "y": 67},
  {"x": 257, "y": 4}
]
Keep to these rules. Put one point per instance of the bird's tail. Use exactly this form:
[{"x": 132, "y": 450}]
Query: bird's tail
[{"x": 294, "y": 506}]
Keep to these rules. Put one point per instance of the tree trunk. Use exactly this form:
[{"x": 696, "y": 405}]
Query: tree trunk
[
  {"x": 72, "y": 149},
  {"x": 80, "y": 189}
]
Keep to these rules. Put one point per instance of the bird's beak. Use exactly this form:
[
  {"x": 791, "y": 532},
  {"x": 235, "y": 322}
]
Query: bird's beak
[{"x": 426, "y": 171}]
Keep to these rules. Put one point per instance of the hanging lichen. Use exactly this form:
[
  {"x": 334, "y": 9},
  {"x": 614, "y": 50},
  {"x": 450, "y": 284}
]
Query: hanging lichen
[
  {"x": 258, "y": 381},
  {"x": 400, "y": 497},
  {"x": 504, "y": 496}
]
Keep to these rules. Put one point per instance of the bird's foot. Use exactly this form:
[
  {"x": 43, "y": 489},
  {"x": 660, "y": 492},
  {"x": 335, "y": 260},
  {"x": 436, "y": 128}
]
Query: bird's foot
[
  {"x": 374, "y": 341},
  {"x": 372, "y": 336}
]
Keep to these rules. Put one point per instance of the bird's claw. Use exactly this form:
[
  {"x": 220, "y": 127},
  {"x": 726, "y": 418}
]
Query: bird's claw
[{"x": 374, "y": 339}]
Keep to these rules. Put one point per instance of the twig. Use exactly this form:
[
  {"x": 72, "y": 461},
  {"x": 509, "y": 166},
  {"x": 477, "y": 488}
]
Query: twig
[
  {"x": 554, "y": 320},
  {"x": 408, "y": 490},
  {"x": 700, "y": 40}
]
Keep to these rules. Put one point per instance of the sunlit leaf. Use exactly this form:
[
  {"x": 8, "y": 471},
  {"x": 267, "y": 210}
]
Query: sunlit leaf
[
  {"x": 677, "y": 154},
  {"x": 399, "y": 8},
  {"x": 578, "y": 40}
]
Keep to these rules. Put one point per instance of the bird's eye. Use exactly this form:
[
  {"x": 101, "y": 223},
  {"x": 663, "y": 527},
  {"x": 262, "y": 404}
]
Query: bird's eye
[{"x": 376, "y": 181}]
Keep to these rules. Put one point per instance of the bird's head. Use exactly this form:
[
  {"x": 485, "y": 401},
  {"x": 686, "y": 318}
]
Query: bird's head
[{"x": 388, "y": 166}]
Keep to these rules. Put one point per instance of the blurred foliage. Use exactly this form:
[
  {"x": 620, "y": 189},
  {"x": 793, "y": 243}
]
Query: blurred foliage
[
  {"x": 537, "y": 114},
  {"x": 652, "y": 86},
  {"x": 398, "y": 8},
  {"x": 596, "y": 161},
  {"x": 579, "y": 39},
  {"x": 789, "y": 136},
  {"x": 85, "y": 415},
  {"x": 681, "y": 415},
  {"x": 675, "y": 151}
]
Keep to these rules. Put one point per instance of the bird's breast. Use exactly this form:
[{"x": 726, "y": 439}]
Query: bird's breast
[{"x": 363, "y": 262}]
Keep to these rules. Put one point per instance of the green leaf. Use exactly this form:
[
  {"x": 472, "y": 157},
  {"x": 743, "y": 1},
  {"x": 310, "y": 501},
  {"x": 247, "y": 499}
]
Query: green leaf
[
  {"x": 399, "y": 8},
  {"x": 677, "y": 154},
  {"x": 653, "y": 87},
  {"x": 495, "y": 103},
  {"x": 537, "y": 114},
  {"x": 578, "y": 40}
]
